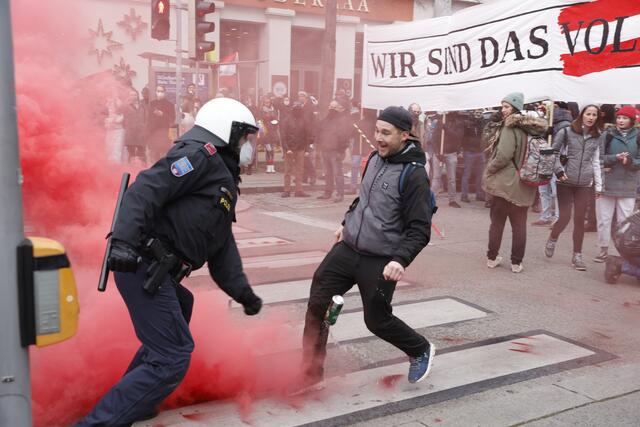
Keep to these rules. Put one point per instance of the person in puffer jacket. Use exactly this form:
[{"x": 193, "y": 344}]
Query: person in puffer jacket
[
  {"x": 620, "y": 160},
  {"x": 577, "y": 173},
  {"x": 511, "y": 197}
]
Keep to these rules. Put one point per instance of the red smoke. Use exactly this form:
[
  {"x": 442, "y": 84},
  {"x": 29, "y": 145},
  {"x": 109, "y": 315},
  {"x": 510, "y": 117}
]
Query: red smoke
[{"x": 68, "y": 194}]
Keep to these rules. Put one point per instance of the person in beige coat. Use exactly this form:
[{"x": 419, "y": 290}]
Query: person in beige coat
[{"x": 511, "y": 197}]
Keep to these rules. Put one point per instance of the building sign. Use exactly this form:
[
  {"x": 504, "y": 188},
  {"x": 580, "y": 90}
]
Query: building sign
[
  {"x": 370, "y": 10},
  {"x": 585, "y": 51}
]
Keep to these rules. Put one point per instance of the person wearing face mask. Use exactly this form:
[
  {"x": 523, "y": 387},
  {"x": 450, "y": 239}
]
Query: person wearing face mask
[
  {"x": 577, "y": 173},
  {"x": 620, "y": 162},
  {"x": 162, "y": 116},
  {"x": 174, "y": 217}
]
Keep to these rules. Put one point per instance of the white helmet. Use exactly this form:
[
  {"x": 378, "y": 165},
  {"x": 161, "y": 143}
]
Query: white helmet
[{"x": 227, "y": 119}]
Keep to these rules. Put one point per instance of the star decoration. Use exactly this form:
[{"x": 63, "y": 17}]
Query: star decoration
[
  {"x": 133, "y": 24},
  {"x": 101, "y": 43},
  {"x": 123, "y": 71}
]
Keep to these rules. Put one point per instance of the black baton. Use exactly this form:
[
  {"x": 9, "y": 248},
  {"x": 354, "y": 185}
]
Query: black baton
[{"x": 104, "y": 272}]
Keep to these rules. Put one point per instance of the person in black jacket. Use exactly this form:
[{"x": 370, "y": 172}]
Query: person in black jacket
[
  {"x": 174, "y": 217},
  {"x": 383, "y": 231},
  {"x": 162, "y": 115},
  {"x": 294, "y": 145},
  {"x": 473, "y": 152},
  {"x": 333, "y": 139}
]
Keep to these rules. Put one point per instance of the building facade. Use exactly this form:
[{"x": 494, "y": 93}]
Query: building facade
[{"x": 268, "y": 45}]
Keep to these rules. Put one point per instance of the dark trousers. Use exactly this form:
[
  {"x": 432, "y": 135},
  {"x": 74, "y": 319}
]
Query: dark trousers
[
  {"x": 501, "y": 209},
  {"x": 473, "y": 165},
  {"x": 591, "y": 219},
  {"x": 578, "y": 198},
  {"x": 161, "y": 324},
  {"x": 332, "y": 161},
  {"x": 338, "y": 272}
]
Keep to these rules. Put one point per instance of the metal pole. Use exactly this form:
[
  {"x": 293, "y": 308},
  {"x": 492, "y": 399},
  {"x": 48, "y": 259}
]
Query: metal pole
[
  {"x": 15, "y": 389},
  {"x": 178, "y": 61},
  {"x": 442, "y": 7}
]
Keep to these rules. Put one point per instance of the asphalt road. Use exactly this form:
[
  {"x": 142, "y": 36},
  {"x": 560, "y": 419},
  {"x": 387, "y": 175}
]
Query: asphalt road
[{"x": 550, "y": 346}]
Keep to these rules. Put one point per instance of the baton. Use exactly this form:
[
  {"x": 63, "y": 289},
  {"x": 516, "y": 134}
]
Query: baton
[{"x": 104, "y": 272}]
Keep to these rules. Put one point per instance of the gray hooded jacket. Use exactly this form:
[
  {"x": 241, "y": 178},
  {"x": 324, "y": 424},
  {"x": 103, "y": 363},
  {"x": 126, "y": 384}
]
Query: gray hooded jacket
[{"x": 383, "y": 222}]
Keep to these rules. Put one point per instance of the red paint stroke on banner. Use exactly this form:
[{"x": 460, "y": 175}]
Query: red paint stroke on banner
[
  {"x": 582, "y": 16},
  {"x": 583, "y": 63},
  {"x": 608, "y": 10}
]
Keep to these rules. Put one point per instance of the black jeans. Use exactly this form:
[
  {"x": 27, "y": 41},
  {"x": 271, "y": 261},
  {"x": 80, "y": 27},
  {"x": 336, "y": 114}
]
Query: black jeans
[
  {"x": 569, "y": 196},
  {"x": 502, "y": 209},
  {"x": 339, "y": 271}
]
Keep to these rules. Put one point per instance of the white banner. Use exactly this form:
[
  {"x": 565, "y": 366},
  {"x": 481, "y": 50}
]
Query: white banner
[{"x": 583, "y": 51}]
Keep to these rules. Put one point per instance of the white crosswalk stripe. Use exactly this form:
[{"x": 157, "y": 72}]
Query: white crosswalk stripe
[
  {"x": 369, "y": 389},
  {"x": 351, "y": 326},
  {"x": 306, "y": 220},
  {"x": 293, "y": 259},
  {"x": 259, "y": 242},
  {"x": 240, "y": 230},
  {"x": 291, "y": 291}
]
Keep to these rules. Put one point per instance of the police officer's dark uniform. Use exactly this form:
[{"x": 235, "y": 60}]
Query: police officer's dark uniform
[{"x": 183, "y": 206}]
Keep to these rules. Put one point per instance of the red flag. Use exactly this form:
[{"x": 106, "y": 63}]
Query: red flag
[{"x": 228, "y": 74}]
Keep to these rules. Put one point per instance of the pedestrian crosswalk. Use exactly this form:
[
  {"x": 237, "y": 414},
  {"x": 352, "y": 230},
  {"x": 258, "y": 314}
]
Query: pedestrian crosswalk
[
  {"x": 377, "y": 387},
  {"x": 363, "y": 394}
]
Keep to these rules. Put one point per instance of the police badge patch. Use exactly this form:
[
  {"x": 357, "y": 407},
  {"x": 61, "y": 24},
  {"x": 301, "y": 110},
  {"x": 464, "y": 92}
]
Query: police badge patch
[{"x": 181, "y": 167}]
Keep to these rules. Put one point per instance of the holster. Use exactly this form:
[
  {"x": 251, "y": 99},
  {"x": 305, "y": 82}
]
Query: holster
[{"x": 162, "y": 262}]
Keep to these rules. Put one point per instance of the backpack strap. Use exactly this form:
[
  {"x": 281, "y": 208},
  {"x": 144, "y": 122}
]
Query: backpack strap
[
  {"x": 366, "y": 165},
  {"x": 407, "y": 170}
]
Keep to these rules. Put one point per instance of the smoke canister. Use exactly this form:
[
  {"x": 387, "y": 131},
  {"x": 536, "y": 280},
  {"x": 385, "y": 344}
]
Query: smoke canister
[{"x": 334, "y": 310}]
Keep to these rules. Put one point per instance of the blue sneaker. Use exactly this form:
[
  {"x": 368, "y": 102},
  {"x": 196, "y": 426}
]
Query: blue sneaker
[{"x": 420, "y": 366}]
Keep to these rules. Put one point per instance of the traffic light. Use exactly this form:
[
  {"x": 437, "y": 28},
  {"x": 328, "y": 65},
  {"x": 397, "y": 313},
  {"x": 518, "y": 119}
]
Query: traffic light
[
  {"x": 160, "y": 24},
  {"x": 199, "y": 27}
]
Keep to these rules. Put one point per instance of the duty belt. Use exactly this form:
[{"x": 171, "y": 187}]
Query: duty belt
[{"x": 162, "y": 262}]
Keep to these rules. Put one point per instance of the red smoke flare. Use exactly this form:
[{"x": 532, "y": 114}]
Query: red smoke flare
[{"x": 69, "y": 191}]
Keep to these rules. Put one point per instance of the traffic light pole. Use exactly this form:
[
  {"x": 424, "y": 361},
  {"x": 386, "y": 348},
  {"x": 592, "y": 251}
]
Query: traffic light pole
[
  {"x": 178, "y": 61},
  {"x": 15, "y": 389}
]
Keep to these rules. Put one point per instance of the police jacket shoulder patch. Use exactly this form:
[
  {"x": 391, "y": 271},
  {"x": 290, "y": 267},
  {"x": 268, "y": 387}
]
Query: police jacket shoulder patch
[
  {"x": 181, "y": 167},
  {"x": 209, "y": 149}
]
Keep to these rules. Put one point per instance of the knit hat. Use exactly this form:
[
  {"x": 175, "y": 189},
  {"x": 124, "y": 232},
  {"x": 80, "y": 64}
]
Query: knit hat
[
  {"x": 397, "y": 116},
  {"x": 515, "y": 99},
  {"x": 628, "y": 111}
]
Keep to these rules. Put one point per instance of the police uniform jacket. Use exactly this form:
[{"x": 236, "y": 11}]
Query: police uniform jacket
[{"x": 187, "y": 200}]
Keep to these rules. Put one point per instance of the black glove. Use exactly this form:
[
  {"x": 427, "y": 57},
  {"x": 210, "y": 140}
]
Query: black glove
[
  {"x": 251, "y": 302},
  {"x": 123, "y": 257}
]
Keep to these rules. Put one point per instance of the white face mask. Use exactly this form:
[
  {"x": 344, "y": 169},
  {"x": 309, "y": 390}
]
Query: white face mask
[{"x": 246, "y": 153}]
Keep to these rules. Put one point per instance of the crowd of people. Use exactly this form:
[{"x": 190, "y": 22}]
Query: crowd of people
[{"x": 595, "y": 177}]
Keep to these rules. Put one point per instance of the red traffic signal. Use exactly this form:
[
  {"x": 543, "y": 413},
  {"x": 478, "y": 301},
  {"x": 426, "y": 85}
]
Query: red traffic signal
[
  {"x": 160, "y": 24},
  {"x": 199, "y": 27}
]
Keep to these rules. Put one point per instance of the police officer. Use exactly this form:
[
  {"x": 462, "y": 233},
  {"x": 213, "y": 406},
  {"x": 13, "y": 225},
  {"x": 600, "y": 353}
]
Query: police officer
[{"x": 174, "y": 217}]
